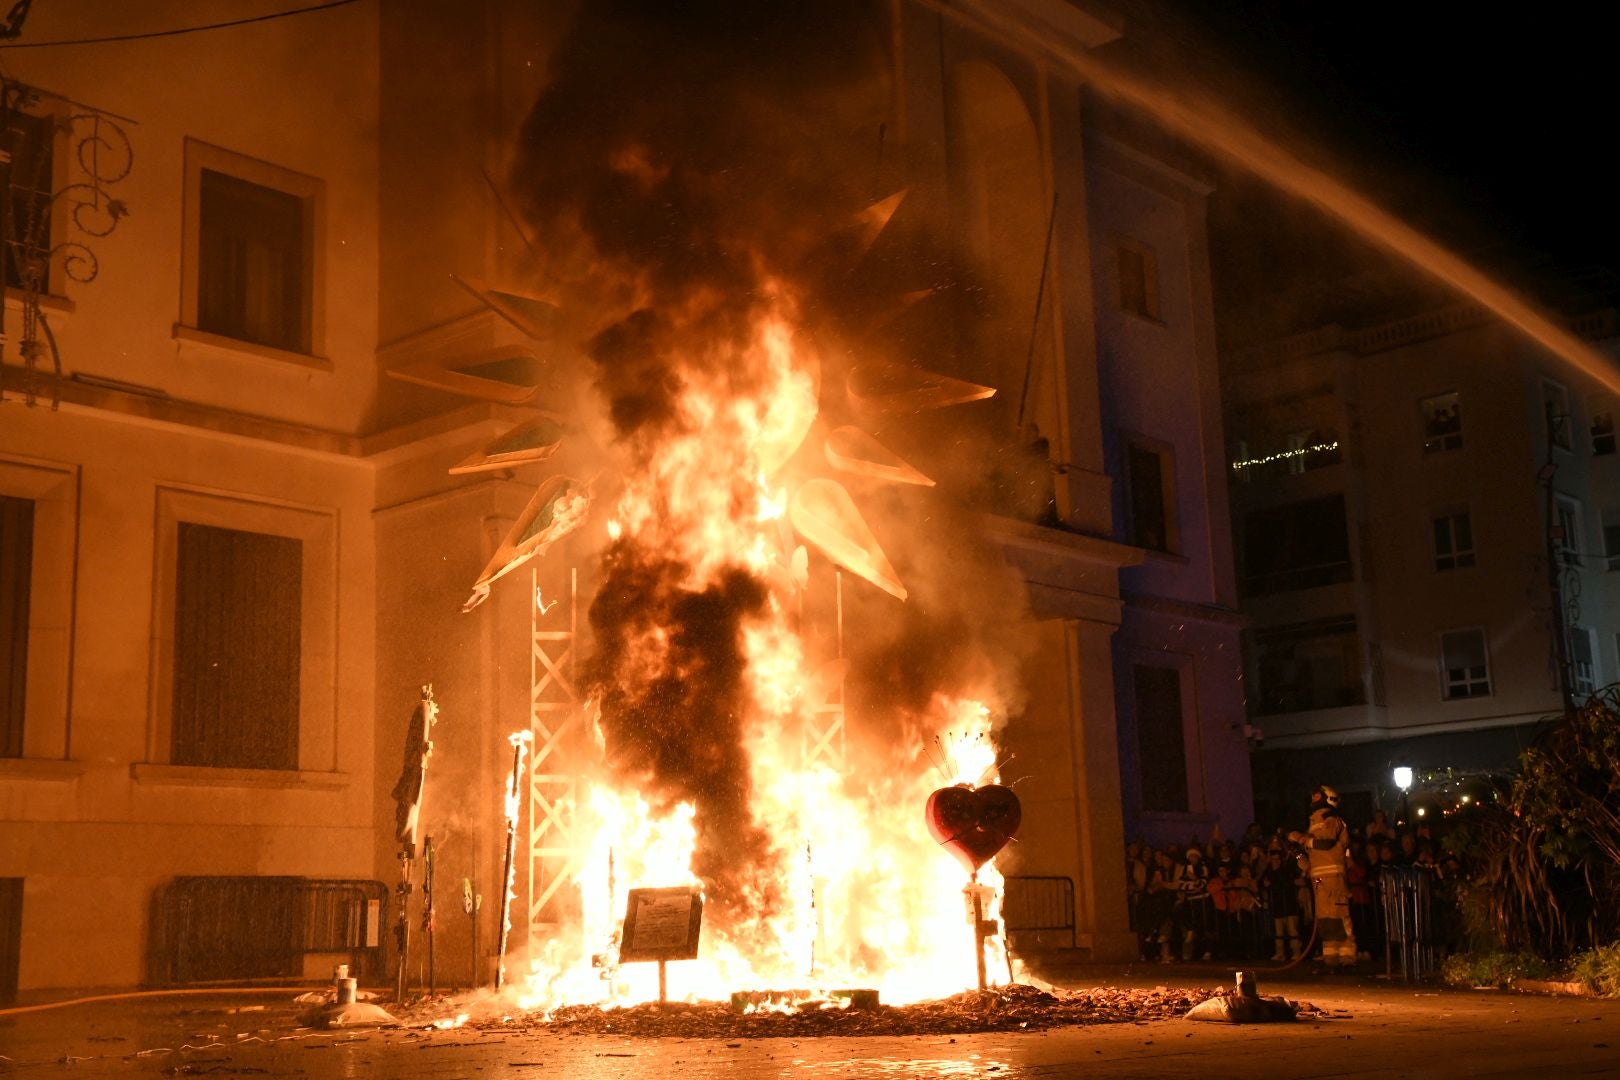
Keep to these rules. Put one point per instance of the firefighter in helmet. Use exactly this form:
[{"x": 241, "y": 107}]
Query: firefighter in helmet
[{"x": 1326, "y": 844}]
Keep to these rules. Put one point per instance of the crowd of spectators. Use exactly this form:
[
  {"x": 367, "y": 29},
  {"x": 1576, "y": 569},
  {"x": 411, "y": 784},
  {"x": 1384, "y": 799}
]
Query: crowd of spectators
[{"x": 1250, "y": 899}]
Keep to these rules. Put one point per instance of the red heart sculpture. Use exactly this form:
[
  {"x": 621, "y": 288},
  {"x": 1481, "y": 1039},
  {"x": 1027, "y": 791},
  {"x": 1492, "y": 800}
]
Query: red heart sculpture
[{"x": 974, "y": 823}]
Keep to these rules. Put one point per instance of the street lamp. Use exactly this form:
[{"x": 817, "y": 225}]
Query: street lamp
[{"x": 1403, "y": 780}]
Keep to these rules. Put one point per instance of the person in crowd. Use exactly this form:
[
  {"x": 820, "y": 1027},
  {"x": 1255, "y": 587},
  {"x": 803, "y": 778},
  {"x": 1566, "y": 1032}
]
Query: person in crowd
[
  {"x": 1370, "y": 922},
  {"x": 1160, "y": 906},
  {"x": 1197, "y": 913},
  {"x": 1279, "y": 884},
  {"x": 1243, "y": 901},
  {"x": 1137, "y": 873},
  {"x": 1357, "y": 878},
  {"x": 1379, "y": 826},
  {"x": 1409, "y": 843},
  {"x": 1326, "y": 844}
]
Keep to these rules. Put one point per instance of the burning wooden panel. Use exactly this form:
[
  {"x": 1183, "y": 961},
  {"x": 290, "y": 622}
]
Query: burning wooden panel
[
  {"x": 886, "y": 388},
  {"x": 871, "y": 222},
  {"x": 558, "y": 508},
  {"x": 534, "y": 440},
  {"x": 533, "y": 316},
  {"x": 508, "y": 376}
]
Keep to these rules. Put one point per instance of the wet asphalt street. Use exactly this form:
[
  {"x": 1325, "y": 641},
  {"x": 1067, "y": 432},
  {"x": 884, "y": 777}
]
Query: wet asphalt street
[{"x": 1379, "y": 1030}]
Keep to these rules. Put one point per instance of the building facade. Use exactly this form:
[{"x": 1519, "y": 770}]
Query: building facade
[
  {"x": 1400, "y": 493},
  {"x": 244, "y": 553}
]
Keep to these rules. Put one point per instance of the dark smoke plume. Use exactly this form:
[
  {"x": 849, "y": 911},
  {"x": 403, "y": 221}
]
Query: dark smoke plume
[{"x": 685, "y": 160}]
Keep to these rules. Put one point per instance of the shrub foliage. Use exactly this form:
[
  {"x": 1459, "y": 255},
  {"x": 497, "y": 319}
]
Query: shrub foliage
[{"x": 1546, "y": 855}]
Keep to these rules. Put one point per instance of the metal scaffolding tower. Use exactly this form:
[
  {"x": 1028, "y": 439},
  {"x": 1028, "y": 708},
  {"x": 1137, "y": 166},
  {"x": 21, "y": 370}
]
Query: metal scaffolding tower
[{"x": 555, "y": 719}]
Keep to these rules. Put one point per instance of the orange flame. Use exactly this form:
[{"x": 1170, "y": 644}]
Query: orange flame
[{"x": 868, "y": 899}]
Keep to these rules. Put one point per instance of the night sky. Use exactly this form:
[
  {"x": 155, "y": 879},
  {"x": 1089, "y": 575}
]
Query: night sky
[{"x": 1492, "y": 131}]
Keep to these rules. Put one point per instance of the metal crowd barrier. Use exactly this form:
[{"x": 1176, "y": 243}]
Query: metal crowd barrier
[
  {"x": 1409, "y": 922},
  {"x": 1403, "y": 919},
  {"x": 1039, "y": 905},
  {"x": 214, "y": 929}
]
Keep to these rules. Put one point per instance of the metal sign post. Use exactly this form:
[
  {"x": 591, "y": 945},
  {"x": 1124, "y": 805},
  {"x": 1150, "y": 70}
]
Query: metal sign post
[{"x": 661, "y": 925}]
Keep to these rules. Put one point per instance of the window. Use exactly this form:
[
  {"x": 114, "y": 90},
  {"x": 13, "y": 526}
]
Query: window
[
  {"x": 39, "y": 507},
  {"x": 1442, "y": 423},
  {"x": 11, "y": 913},
  {"x": 1611, "y": 538},
  {"x": 1555, "y": 406},
  {"x": 1299, "y": 545},
  {"x": 1453, "y": 541},
  {"x": 1582, "y": 661},
  {"x": 16, "y": 576},
  {"x": 1602, "y": 433},
  {"x": 236, "y": 649},
  {"x": 1298, "y": 443},
  {"x": 1308, "y": 665},
  {"x": 30, "y": 140},
  {"x": 1138, "y": 278},
  {"x": 1566, "y": 531},
  {"x": 252, "y": 271},
  {"x": 1464, "y": 666},
  {"x": 1161, "y": 747},
  {"x": 253, "y": 267},
  {"x": 1149, "y": 489}
]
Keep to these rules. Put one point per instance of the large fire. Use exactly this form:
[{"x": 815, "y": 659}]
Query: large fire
[{"x": 819, "y": 872}]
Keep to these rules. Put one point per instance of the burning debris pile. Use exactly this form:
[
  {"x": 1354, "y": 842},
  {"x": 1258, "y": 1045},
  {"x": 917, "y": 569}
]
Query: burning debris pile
[{"x": 1016, "y": 1007}]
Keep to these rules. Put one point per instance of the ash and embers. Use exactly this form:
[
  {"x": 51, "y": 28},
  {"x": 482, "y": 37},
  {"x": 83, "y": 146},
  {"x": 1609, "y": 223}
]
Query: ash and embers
[{"x": 1018, "y": 1007}]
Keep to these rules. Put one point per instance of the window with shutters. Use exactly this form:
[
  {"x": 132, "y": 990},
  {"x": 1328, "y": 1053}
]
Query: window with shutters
[
  {"x": 252, "y": 271},
  {"x": 236, "y": 649},
  {"x": 1161, "y": 741}
]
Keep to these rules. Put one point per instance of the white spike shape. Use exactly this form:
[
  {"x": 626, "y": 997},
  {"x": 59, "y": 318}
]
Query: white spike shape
[
  {"x": 824, "y": 515},
  {"x": 854, "y": 451}
]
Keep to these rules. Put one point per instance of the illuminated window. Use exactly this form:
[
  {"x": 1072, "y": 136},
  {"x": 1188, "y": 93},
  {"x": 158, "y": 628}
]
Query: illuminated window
[
  {"x": 236, "y": 649},
  {"x": 1442, "y": 423},
  {"x": 1453, "y": 541},
  {"x": 1464, "y": 665},
  {"x": 16, "y": 574},
  {"x": 1138, "y": 272},
  {"x": 1555, "y": 406}
]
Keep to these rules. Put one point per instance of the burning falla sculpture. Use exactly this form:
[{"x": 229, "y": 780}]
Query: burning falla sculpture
[
  {"x": 821, "y": 510},
  {"x": 974, "y": 823},
  {"x": 780, "y": 480}
]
